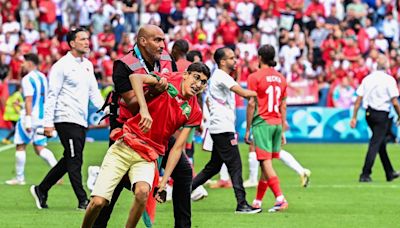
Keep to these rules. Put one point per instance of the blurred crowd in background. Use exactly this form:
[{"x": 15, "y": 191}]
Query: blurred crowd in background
[{"x": 325, "y": 47}]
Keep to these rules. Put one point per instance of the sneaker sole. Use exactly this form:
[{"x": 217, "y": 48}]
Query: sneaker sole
[
  {"x": 249, "y": 212},
  {"x": 198, "y": 198},
  {"x": 278, "y": 210},
  {"x": 33, "y": 193},
  {"x": 13, "y": 183}
]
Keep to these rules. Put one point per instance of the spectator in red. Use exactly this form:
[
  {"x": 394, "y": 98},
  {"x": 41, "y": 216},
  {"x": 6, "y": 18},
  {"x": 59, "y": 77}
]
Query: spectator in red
[
  {"x": 106, "y": 39},
  {"x": 46, "y": 64},
  {"x": 351, "y": 52},
  {"x": 229, "y": 32},
  {"x": 107, "y": 69},
  {"x": 330, "y": 46},
  {"x": 47, "y": 18},
  {"x": 279, "y": 6},
  {"x": 43, "y": 45},
  {"x": 14, "y": 75},
  {"x": 245, "y": 66},
  {"x": 315, "y": 7},
  {"x": 60, "y": 31},
  {"x": 360, "y": 70},
  {"x": 125, "y": 45},
  {"x": 164, "y": 10},
  {"x": 179, "y": 51},
  {"x": 24, "y": 46}
]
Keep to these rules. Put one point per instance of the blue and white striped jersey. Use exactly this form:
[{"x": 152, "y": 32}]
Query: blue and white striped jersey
[{"x": 35, "y": 84}]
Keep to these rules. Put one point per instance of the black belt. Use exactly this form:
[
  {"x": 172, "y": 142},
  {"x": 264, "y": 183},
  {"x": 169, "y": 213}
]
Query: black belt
[{"x": 369, "y": 109}]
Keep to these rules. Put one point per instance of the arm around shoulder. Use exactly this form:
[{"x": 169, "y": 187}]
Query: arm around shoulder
[{"x": 243, "y": 92}]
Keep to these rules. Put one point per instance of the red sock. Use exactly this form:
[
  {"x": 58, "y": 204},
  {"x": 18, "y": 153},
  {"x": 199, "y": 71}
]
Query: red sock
[
  {"x": 273, "y": 183},
  {"x": 261, "y": 189}
]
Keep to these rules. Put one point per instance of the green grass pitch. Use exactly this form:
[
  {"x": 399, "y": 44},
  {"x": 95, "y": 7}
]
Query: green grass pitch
[{"x": 333, "y": 199}]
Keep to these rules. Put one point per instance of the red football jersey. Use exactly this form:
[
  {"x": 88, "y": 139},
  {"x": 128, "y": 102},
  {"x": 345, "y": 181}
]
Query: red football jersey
[
  {"x": 169, "y": 111},
  {"x": 270, "y": 86}
]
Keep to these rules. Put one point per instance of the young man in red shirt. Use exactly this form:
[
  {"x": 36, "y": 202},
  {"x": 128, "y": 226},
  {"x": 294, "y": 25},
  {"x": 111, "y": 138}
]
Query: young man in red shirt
[
  {"x": 141, "y": 141},
  {"x": 266, "y": 117}
]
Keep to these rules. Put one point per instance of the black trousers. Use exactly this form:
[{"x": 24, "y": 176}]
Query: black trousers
[
  {"x": 72, "y": 137},
  {"x": 378, "y": 122},
  {"x": 225, "y": 150},
  {"x": 182, "y": 176}
]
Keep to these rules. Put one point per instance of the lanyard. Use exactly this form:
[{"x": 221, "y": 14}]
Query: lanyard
[{"x": 141, "y": 60}]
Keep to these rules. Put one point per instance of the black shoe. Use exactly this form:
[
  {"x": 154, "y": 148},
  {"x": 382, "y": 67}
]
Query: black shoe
[
  {"x": 247, "y": 209},
  {"x": 365, "y": 179},
  {"x": 393, "y": 176},
  {"x": 82, "y": 205},
  {"x": 39, "y": 197}
]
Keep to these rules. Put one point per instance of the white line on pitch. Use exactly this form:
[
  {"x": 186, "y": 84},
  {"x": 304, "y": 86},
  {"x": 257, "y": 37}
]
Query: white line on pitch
[{"x": 6, "y": 147}]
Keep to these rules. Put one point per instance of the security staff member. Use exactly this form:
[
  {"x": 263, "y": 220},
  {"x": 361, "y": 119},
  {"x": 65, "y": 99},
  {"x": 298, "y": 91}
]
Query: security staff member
[
  {"x": 377, "y": 91},
  {"x": 148, "y": 55}
]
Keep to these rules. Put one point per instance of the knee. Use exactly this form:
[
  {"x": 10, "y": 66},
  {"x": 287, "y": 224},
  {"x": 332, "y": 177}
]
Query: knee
[
  {"x": 142, "y": 192},
  {"x": 97, "y": 202}
]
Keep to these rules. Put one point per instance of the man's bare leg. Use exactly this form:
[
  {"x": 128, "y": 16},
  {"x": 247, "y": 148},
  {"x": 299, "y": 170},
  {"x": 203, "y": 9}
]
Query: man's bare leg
[
  {"x": 142, "y": 191},
  {"x": 93, "y": 210}
]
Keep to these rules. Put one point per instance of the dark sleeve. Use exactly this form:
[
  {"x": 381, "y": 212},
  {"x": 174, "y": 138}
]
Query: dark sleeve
[{"x": 120, "y": 77}]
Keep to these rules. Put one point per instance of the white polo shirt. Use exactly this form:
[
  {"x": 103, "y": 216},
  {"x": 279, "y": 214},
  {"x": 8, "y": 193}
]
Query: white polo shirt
[
  {"x": 71, "y": 85},
  {"x": 222, "y": 103},
  {"x": 377, "y": 89}
]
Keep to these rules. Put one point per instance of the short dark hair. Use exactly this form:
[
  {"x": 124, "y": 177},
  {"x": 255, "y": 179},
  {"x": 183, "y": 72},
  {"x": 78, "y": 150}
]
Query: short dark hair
[
  {"x": 267, "y": 54},
  {"x": 32, "y": 58},
  {"x": 180, "y": 48},
  {"x": 199, "y": 67},
  {"x": 220, "y": 54},
  {"x": 71, "y": 35},
  {"x": 193, "y": 53}
]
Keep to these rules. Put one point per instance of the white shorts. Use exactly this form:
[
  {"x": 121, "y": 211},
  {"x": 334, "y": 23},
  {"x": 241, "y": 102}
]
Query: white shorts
[{"x": 21, "y": 136}]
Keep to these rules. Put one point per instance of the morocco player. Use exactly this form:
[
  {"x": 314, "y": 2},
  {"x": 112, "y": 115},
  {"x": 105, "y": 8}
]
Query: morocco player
[{"x": 266, "y": 116}]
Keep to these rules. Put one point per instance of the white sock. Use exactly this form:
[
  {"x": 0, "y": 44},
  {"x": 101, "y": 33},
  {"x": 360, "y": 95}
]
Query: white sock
[
  {"x": 224, "y": 175},
  {"x": 290, "y": 161},
  {"x": 253, "y": 166},
  {"x": 280, "y": 198},
  {"x": 20, "y": 159},
  {"x": 48, "y": 156}
]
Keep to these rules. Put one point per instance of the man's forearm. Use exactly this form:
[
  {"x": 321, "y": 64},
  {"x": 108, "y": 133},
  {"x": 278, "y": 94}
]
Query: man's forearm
[
  {"x": 356, "y": 107},
  {"x": 250, "y": 113}
]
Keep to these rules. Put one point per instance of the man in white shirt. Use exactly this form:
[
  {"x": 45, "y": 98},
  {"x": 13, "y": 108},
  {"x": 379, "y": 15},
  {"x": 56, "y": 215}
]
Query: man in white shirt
[
  {"x": 191, "y": 13},
  {"x": 34, "y": 88},
  {"x": 377, "y": 91},
  {"x": 244, "y": 11},
  {"x": 222, "y": 89},
  {"x": 72, "y": 84},
  {"x": 31, "y": 34}
]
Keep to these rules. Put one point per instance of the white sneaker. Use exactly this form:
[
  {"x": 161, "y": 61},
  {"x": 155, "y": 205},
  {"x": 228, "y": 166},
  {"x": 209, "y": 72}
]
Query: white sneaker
[
  {"x": 15, "y": 181},
  {"x": 250, "y": 183},
  {"x": 169, "y": 189},
  {"x": 93, "y": 172},
  {"x": 305, "y": 178},
  {"x": 199, "y": 193}
]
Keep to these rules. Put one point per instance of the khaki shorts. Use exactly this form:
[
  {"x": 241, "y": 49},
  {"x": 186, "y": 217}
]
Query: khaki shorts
[{"x": 119, "y": 159}]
